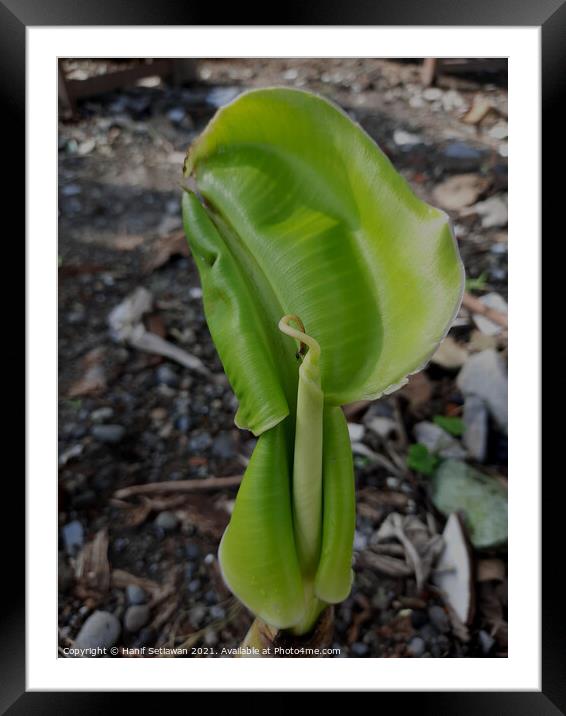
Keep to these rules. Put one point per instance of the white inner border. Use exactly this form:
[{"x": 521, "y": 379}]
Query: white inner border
[{"x": 521, "y": 670}]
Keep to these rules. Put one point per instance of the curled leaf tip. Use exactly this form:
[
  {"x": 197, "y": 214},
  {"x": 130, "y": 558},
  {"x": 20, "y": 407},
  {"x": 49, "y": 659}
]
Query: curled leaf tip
[{"x": 299, "y": 334}]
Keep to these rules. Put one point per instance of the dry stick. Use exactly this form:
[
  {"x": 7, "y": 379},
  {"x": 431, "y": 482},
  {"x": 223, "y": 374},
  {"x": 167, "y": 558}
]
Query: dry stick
[
  {"x": 474, "y": 305},
  {"x": 210, "y": 483}
]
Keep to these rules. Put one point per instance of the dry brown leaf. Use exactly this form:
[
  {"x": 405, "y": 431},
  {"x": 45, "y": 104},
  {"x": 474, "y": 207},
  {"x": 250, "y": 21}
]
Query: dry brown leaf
[
  {"x": 93, "y": 379},
  {"x": 128, "y": 242},
  {"x": 391, "y": 566},
  {"x": 450, "y": 354},
  {"x": 164, "y": 248},
  {"x": 490, "y": 570},
  {"x": 459, "y": 191},
  {"x": 481, "y": 106},
  {"x": 418, "y": 390},
  {"x": 92, "y": 568}
]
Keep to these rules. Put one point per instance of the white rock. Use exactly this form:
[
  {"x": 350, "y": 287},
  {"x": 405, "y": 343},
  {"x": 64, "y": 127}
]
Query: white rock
[
  {"x": 476, "y": 428},
  {"x": 450, "y": 354},
  {"x": 403, "y": 139},
  {"x": 356, "y": 431},
  {"x": 493, "y": 211},
  {"x": 382, "y": 426},
  {"x": 454, "y": 570},
  {"x": 498, "y": 303},
  {"x": 438, "y": 441},
  {"x": 432, "y": 93},
  {"x": 484, "y": 376}
]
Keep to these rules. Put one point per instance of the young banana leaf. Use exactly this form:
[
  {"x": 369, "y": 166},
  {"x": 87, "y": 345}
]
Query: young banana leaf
[{"x": 298, "y": 214}]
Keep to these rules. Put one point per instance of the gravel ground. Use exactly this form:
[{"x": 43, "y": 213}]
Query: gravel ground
[{"x": 141, "y": 570}]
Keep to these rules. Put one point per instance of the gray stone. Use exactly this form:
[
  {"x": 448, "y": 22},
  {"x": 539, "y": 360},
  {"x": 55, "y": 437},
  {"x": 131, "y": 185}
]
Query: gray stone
[
  {"x": 476, "y": 427},
  {"x": 217, "y": 612},
  {"x": 101, "y": 414},
  {"x": 197, "y": 615},
  {"x": 210, "y": 637},
  {"x": 498, "y": 303},
  {"x": 382, "y": 426},
  {"x": 438, "y": 441},
  {"x": 199, "y": 443},
  {"x": 194, "y": 586},
  {"x": 73, "y": 537},
  {"x": 432, "y": 93},
  {"x": 439, "y": 618},
  {"x": 493, "y": 212},
  {"x": 358, "y": 648},
  {"x": 486, "y": 641},
  {"x": 356, "y": 431},
  {"x": 166, "y": 521},
  {"x": 484, "y": 375},
  {"x": 192, "y": 551},
  {"x": 460, "y": 156},
  {"x": 176, "y": 115},
  {"x": 219, "y": 96},
  {"x": 416, "y": 646},
  {"x": 166, "y": 375},
  {"x": 135, "y": 594},
  {"x": 360, "y": 542},
  {"x": 100, "y": 630},
  {"x": 223, "y": 446},
  {"x": 136, "y": 617},
  {"x": 112, "y": 434}
]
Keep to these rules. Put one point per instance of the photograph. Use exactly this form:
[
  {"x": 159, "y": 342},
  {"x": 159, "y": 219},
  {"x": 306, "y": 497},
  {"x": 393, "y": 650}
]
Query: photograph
[{"x": 282, "y": 337}]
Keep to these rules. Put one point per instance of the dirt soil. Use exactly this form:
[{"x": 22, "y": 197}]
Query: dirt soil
[{"x": 128, "y": 417}]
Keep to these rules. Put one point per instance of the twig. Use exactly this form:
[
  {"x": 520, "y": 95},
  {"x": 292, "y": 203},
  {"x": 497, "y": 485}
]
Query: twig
[
  {"x": 151, "y": 488},
  {"x": 474, "y": 305}
]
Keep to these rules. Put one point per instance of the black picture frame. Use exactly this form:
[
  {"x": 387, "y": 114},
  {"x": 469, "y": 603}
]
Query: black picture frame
[{"x": 550, "y": 16}]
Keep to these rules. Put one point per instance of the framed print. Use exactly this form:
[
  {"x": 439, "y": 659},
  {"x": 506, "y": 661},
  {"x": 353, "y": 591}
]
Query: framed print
[{"x": 283, "y": 286}]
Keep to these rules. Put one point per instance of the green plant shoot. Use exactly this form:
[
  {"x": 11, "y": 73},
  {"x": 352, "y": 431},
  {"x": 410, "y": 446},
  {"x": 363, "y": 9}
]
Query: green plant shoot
[{"x": 325, "y": 281}]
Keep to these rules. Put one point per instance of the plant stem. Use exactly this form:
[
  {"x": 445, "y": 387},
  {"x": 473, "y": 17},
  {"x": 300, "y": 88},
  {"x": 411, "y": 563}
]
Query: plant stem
[
  {"x": 307, "y": 463},
  {"x": 270, "y": 642}
]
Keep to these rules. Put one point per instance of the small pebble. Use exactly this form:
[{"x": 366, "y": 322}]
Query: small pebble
[
  {"x": 223, "y": 446},
  {"x": 217, "y": 612},
  {"x": 136, "y": 617},
  {"x": 112, "y": 434},
  {"x": 73, "y": 537},
  {"x": 194, "y": 586},
  {"x": 439, "y": 619},
  {"x": 210, "y": 638},
  {"x": 211, "y": 597},
  {"x": 486, "y": 641},
  {"x": 192, "y": 551},
  {"x": 101, "y": 414},
  {"x": 416, "y": 646},
  {"x": 196, "y": 615},
  {"x": 135, "y": 594},
  {"x": 167, "y": 376},
  {"x": 358, "y": 648},
  {"x": 166, "y": 521},
  {"x": 100, "y": 630}
]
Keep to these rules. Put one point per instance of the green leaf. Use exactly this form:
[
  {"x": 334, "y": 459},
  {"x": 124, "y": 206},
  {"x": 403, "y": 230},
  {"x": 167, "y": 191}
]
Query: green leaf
[
  {"x": 420, "y": 459},
  {"x": 294, "y": 211},
  {"x": 477, "y": 284},
  {"x": 457, "y": 487},
  {"x": 454, "y": 426},
  {"x": 334, "y": 576},
  {"x": 319, "y": 224},
  {"x": 257, "y": 554}
]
